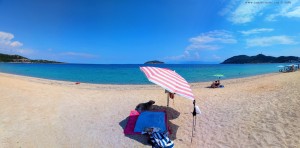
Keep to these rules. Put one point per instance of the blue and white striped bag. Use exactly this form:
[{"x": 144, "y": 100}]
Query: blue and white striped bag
[{"x": 160, "y": 140}]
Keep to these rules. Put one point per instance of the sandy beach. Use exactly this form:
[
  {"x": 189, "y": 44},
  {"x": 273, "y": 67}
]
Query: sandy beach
[{"x": 259, "y": 111}]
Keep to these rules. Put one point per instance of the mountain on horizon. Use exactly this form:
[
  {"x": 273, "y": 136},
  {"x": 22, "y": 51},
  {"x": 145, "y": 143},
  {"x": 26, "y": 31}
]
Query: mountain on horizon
[
  {"x": 260, "y": 58},
  {"x": 21, "y": 59}
]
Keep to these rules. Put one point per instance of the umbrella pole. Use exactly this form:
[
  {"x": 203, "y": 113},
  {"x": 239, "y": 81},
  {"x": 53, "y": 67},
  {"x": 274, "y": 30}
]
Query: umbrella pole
[
  {"x": 192, "y": 131},
  {"x": 168, "y": 100},
  {"x": 195, "y": 123}
]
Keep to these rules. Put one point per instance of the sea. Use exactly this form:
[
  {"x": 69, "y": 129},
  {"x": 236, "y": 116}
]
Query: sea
[{"x": 131, "y": 73}]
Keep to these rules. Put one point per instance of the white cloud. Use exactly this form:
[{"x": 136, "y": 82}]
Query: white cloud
[
  {"x": 294, "y": 13},
  {"x": 269, "y": 41},
  {"x": 8, "y": 46},
  {"x": 16, "y": 44},
  {"x": 246, "y": 12},
  {"x": 78, "y": 54},
  {"x": 257, "y": 30},
  {"x": 6, "y": 36},
  {"x": 196, "y": 46},
  {"x": 228, "y": 8},
  {"x": 285, "y": 10},
  {"x": 211, "y": 40}
]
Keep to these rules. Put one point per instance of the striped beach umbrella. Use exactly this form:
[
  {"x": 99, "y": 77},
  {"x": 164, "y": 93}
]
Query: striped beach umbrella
[
  {"x": 174, "y": 83},
  {"x": 168, "y": 80}
]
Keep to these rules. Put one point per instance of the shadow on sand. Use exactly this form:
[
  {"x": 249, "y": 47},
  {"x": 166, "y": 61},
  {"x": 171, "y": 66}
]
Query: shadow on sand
[
  {"x": 171, "y": 113},
  {"x": 140, "y": 138}
]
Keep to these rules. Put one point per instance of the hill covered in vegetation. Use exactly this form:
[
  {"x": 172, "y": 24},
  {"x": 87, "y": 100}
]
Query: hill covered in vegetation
[
  {"x": 260, "y": 58},
  {"x": 154, "y": 62},
  {"x": 21, "y": 59}
]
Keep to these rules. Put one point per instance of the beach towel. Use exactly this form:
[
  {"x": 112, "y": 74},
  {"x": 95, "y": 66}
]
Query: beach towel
[
  {"x": 220, "y": 86},
  {"x": 148, "y": 119},
  {"x": 160, "y": 140},
  {"x": 129, "y": 129}
]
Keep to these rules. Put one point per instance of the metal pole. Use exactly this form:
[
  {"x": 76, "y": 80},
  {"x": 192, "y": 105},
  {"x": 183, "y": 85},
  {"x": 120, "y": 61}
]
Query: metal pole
[
  {"x": 193, "y": 126},
  {"x": 168, "y": 99},
  {"x": 192, "y": 131},
  {"x": 195, "y": 123}
]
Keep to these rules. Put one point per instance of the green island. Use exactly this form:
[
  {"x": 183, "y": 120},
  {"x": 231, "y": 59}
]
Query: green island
[
  {"x": 260, "y": 58},
  {"x": 20, "y": 59},
  {"x": 154, "y": 62}
]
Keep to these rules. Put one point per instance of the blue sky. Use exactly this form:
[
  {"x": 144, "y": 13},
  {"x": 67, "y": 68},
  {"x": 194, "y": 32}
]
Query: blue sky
[{"x": 135, "y": 31}]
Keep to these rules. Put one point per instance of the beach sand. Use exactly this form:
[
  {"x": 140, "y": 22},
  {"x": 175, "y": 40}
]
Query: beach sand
[{"x": 259, "y": 111}]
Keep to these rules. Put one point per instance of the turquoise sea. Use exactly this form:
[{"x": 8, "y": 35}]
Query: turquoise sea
[{"x": 131, "y": 74}]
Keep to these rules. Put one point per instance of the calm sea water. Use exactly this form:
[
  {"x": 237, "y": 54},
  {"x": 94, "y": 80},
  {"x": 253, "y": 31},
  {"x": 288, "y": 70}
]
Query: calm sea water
[{"x": 131, "y": 74}]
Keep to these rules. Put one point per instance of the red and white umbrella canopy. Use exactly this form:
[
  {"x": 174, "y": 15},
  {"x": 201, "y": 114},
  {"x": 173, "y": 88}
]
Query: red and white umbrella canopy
[{"x": 169, "y": 80}]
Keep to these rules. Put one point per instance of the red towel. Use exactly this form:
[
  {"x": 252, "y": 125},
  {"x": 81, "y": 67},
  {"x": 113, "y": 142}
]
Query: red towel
[{"x": 129, "y": 129}]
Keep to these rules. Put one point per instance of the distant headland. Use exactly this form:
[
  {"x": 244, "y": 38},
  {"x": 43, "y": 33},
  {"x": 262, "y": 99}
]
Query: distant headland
[
  {"x": 260, "y": 58},
  {"x": 20, "y": 59},
  {"x": 154, "y": 62}
]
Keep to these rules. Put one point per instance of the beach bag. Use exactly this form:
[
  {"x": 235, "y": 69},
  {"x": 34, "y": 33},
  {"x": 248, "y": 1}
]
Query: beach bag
[{"x": 160, "y": 140}]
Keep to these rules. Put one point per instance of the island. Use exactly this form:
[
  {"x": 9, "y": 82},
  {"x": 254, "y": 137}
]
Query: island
[
  {"x": 260, "y": 58},
  {"x": 20, "y": 59},
  {"x": 154, "y": 62}
]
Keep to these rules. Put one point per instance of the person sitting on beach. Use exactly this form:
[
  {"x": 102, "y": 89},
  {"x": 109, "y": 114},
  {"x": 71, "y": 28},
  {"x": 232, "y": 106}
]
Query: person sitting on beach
[
  {"x": 218, "y": 83},
  {"x": 214, "y": 84}
]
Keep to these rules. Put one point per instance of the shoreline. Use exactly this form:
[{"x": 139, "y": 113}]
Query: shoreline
[
  {"x": 112, "y": 77},
  {"x": 70, "y": 83}
]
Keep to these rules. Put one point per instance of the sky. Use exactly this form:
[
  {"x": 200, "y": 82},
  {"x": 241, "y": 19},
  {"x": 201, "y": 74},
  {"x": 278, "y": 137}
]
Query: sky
[{"x": 136, "y": 31}]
